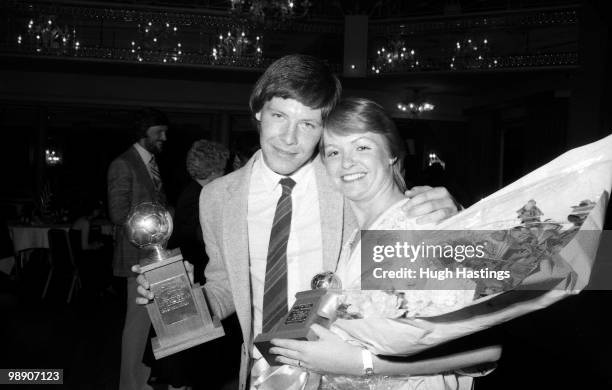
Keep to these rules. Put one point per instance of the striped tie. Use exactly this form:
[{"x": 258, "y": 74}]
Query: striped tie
[
  {"x": 157, "y": 183},
  {"x": 275, "y": 292}
]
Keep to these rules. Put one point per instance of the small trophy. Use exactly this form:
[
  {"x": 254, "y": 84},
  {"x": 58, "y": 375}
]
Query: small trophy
[
  {"x": 178, "y": 312},
  {"x": 316, "y": 306}
]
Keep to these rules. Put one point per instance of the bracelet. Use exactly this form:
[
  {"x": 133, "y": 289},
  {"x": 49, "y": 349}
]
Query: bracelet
[{"x": 368, "y": 365}]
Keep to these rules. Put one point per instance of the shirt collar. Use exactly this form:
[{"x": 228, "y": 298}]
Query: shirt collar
[
  {"x": 144, "y": 153},
  {"x": 270, "y": 179}
]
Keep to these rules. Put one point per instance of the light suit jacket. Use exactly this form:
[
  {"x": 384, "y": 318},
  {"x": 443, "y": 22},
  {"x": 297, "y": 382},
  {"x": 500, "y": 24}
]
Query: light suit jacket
[{"x": 223, "y": 216}]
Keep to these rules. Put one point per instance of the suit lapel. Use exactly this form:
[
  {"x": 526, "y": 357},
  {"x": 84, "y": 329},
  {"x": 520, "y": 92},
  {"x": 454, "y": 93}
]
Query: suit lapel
[{"x": 236, "y": 244}]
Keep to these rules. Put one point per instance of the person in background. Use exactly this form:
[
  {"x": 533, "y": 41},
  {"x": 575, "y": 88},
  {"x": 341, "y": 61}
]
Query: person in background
[
  {"x": 133, "y": 178},
  {"x": 206, "y": 161},
  {"x": 91, "y": 250},
  {"x": 89, "y": 211}
]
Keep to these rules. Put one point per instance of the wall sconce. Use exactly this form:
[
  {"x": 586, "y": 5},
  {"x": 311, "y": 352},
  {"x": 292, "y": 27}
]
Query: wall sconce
[{"x": 435, "y": 159}]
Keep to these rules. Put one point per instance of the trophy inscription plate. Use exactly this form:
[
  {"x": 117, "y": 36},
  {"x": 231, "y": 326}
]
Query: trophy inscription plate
[
  {"x": 174, "y": 299},
  {"x": 299, "y": 313},
  {"x": 178, "y": 312}
]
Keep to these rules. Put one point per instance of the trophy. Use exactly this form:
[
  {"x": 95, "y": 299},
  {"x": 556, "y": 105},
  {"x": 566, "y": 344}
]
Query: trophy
[
  {"x": 316, "y": 306},
  {"x": 178, "y": 311}
]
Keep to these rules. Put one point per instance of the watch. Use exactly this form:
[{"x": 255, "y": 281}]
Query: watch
[{"x": 368, "y": 365}]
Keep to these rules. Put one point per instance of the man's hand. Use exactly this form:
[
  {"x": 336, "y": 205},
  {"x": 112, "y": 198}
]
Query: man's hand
[
  {"x": 143, "y": 285},
  {"x": 316, "y": 356},
  {"x": 431, "y": 205}
]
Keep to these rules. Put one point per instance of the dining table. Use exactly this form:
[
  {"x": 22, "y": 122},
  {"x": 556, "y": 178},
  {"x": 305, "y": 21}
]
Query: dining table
[{"x": 29, "y": 236}]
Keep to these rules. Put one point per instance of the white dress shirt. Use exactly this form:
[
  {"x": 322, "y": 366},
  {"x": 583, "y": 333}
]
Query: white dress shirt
[
  {"x": 146, "y": 158},
  {"x": 304, "y": 249}
]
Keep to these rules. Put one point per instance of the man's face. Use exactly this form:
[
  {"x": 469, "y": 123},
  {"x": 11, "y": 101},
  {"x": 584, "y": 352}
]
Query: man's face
[
  {"x": 155, "y": 138},
  {"x": 289, "y": 134}
]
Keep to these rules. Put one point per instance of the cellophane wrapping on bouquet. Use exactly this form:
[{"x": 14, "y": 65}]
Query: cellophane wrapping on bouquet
[{"x": 545, "y": 230}]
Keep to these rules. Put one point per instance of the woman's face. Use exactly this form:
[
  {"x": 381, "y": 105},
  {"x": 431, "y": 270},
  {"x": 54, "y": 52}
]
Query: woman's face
[{"x": 359, "y": 164}]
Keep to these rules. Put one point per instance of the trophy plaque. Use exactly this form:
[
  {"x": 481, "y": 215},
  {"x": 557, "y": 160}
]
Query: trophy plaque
[
  {"x": 178, "y": 311},
  {"x": 316, "y": 306}
]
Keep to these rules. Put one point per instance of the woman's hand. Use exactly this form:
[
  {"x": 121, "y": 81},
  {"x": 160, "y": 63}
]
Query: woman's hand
[
  {"x": 431, "y": 205},
  {"x": 329, "y": 354}
]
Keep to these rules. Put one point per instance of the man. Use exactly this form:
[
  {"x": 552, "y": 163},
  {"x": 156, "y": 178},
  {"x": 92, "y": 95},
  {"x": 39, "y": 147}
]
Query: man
[
  {"x": 253, "y": 233},
  {"x": 133, "y": 178}
]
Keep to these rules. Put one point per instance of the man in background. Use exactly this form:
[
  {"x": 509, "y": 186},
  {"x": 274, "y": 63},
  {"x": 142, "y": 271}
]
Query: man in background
[{"x": 133, "y": 178}]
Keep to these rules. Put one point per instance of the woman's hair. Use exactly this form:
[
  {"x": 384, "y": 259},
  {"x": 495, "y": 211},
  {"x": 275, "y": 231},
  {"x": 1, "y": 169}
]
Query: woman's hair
[
  {"x": 300, "y": 77},
  {"x": 357, "y": 115},
  {"x": 205, "y": 158}
]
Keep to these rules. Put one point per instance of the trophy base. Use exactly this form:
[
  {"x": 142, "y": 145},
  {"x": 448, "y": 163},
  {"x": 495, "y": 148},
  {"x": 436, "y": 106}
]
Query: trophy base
[
  {"x": 262, "y": 341},
  {"x": 310, "y": 307},
  {"x": 187, "y": 341},
  {"x": 178, "y": 312}
]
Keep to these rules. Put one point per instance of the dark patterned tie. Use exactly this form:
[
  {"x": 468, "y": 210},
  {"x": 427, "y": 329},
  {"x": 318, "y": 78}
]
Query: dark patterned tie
[
  {"x": 275, "y": 291},
  {"x": 157, "y": 183}
]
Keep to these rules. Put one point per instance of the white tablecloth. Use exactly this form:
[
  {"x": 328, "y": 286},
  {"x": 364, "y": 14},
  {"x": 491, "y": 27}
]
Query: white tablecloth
[
  {"x": 35, "y": 236},
  {"x": 30, "y": 237}
]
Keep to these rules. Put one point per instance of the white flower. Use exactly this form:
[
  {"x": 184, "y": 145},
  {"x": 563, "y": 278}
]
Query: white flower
[{"x": 372, "y": 304}]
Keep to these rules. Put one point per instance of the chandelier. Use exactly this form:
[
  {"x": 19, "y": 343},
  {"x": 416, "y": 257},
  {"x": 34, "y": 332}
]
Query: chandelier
[
  {"x": 415, "y": 108},
  {"x": 45, "y": 34},
  {"x": 237, "y": 47},
  {"x": 265, "y": 11},
  {"x": 395, "y": 55},
  {"x": 416, "y": 105},
  {"x": 472, "y": 54},
  {"x": 156, "y": 42}
]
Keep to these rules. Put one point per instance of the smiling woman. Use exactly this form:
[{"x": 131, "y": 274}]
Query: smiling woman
[
  {"x": 364, "y": 153},
  {"x": 365, "y": 118}
]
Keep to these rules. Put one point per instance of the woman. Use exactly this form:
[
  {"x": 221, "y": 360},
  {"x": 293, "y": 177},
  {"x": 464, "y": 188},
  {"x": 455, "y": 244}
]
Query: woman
[{"x": 363, "y": 154}]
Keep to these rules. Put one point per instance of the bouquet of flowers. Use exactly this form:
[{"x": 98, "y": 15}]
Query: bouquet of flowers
[{"x": 543, "y": 230}]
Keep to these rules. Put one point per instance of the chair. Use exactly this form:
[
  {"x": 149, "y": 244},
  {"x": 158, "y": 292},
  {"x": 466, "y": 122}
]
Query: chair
[
  {"x": 62, "y": 260},
  {"x": 74, "y": 237},
  {"x": 6, "y": 243},
  {"x": 7, "y": 254}
]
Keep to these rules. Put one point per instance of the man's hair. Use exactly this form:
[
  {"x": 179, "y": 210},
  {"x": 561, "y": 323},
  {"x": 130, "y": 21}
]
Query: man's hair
[
  {"x": 148, "y": 117},
  {"x": 300, "y": 77},
  {"x": 356, "y": 116}
]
